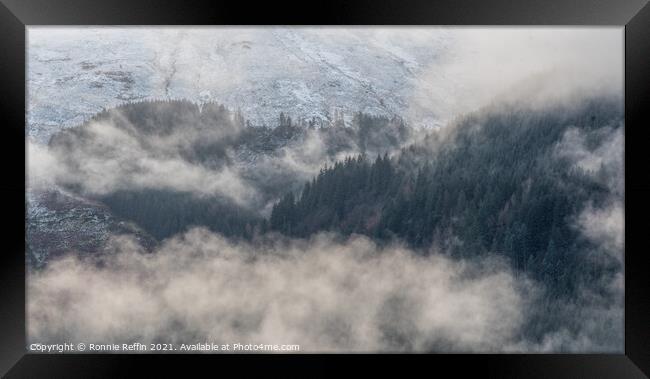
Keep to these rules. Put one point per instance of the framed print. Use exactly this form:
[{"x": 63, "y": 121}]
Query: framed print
[{"x": 385, "y": 184}]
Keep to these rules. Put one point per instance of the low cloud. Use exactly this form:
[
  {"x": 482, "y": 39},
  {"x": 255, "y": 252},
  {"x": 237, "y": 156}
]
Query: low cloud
[
  {"x": 187, "y": 152},
  {"x": 323, "y": 293},
  {"x": 599, "y": 153},
  {"x": 110, "y": 159},
  {"x": 529, "y": 66},
  {"x": 605, "y": 226}
]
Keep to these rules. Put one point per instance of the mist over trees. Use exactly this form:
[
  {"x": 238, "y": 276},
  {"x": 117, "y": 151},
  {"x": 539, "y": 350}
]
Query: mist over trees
[
  {"x": 495, "y": 185},
  {"x": 483, "y": 211},
  {"x": 266, "y": 161},
  {"x": 498, "y": 186},
  {"x": 508, "y": 181}
]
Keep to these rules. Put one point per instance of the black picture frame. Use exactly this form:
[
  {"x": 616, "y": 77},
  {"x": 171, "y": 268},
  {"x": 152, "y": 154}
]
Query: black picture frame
[{"x": 15, "y": 15}]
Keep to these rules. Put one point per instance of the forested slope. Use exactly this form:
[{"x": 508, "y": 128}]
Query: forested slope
[{"x": 499, "y": 184}]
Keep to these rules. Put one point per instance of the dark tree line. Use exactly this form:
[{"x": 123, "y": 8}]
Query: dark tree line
[
  {"x": 346, "y": 197},
  {"x": 496, "y": 186},
  {"x": 163, "y": 213}
]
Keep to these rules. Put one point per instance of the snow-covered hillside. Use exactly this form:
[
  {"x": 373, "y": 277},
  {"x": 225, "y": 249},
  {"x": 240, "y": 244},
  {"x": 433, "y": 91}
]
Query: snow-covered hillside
[
  {"x": 59, "y": 222},
  {"x": 304, "y": 72}
]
